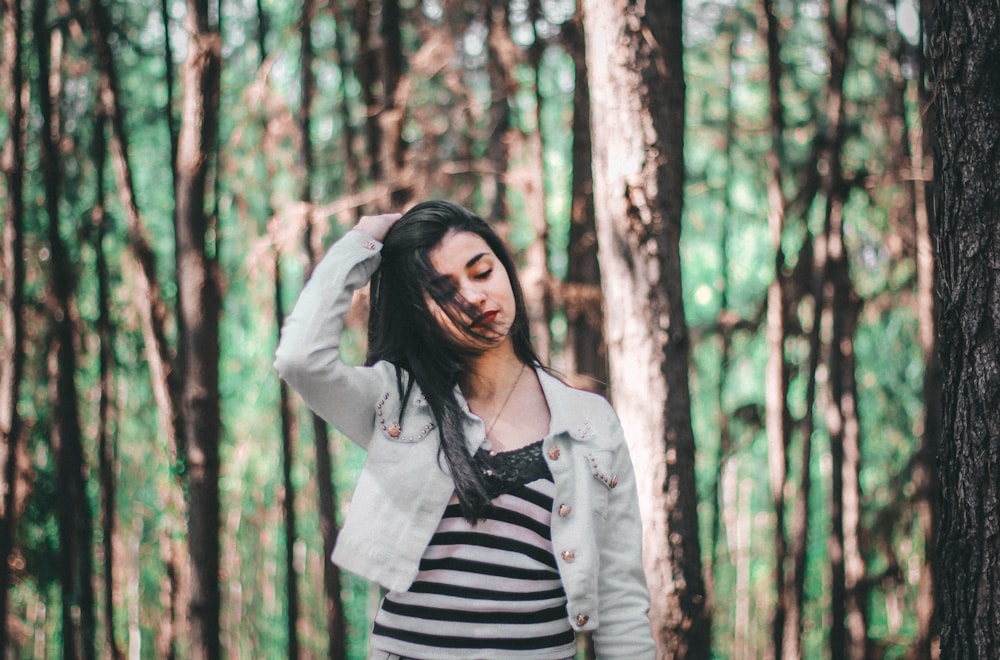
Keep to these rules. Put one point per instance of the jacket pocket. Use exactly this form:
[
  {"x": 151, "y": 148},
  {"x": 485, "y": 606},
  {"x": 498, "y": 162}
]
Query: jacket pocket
[{"x": 408, "y": 429}]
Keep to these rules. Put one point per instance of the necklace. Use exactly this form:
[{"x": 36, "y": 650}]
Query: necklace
[{"x": 506, "y": 401}]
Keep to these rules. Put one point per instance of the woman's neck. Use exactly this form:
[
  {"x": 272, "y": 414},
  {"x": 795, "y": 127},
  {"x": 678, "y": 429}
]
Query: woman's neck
[{"x": 490, "y": 374}]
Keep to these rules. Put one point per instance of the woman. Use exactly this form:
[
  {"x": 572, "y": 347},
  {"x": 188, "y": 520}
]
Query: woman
[{"x": 496, "y": 505}]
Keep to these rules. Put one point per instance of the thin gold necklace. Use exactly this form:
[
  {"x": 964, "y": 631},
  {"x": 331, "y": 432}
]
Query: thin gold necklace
[{"x": 506, "y": 401}]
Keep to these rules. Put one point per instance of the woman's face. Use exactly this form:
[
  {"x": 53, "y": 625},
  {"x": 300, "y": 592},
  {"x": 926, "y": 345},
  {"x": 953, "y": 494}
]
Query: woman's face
[{"x": 470, "y": 271}]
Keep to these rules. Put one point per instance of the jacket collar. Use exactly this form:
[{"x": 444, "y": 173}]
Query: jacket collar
[{"x": 567, "y": 411}]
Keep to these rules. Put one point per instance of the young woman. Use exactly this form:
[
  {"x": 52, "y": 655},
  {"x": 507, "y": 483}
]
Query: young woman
[{"x": 496, "y": 505}]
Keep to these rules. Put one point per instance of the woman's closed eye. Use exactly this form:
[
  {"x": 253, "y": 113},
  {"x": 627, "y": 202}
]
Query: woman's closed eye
[{"x": 483, "y": 275}]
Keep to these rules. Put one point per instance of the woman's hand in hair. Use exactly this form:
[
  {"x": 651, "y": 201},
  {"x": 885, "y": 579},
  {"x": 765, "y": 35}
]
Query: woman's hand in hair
[{"x": 377, "y": 226}]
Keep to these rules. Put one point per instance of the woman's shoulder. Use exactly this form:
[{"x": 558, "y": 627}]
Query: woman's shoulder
[{"x": 556, "y": 383}]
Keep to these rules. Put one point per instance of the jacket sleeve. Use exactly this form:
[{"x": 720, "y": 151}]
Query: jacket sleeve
[
  {"x": 623, "y": 599},
  {"x": 308, "y": 354}
]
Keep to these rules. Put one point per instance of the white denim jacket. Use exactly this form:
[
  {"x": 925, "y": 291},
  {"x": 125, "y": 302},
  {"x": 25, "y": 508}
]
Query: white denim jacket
[{"x": 404, "y": 486}]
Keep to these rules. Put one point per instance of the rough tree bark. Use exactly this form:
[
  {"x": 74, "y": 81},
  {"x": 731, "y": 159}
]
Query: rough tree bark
[
  {"x": 66, "y": 438},
  {"x": 587, "y": 352},
  {"x": 198, "y": 307},
  {"x": 963, "y": 44},
  {"x": 634, "y": 57},
  {"x": 12, "y": 301}
]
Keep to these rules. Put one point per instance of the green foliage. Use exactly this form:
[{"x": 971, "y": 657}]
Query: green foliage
[{"x": 727, "y": 262}]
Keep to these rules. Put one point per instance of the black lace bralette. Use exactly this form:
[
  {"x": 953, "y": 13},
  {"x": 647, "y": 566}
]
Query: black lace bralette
[{"x": 506, "y": 471}]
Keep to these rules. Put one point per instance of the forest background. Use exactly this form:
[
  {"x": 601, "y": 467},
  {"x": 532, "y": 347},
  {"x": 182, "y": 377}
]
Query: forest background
[{"x": 174, "y": 170}]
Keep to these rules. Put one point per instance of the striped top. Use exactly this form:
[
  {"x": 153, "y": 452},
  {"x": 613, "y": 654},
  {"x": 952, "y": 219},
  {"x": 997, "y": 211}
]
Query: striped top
[{"x": 489, "y": 590}]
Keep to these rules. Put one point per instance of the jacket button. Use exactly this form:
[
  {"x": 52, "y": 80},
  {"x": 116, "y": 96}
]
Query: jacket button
[
  {"x": 613, "y": 482},
  {"x": 582, "y": 619},
  {"x": 564, "y": 510},
  {"x": 568, "y": 556},
  {"x": 554, "y": 453}
]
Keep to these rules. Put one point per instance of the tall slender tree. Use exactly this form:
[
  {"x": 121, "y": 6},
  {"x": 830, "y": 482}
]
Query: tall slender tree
[
  {"x": 776, "y": 375},
  {"x": 336, "y": 628},
  {"x": 586, "y": 350},
  {"x": 963, "y": 43},
  {"x": 106, "y": 428},
  {"x": 66, "y": 439},
  {"x": 925, "y": 477},
  {"x": 634, "y": 58},
  {"x": 12, "y": 301},
  {"x": 198, "y": 308}
]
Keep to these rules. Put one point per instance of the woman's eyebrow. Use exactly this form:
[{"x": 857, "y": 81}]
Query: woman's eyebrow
[
  {"x": 472, "y": 262},
  {"x": 442, "y": 279}
]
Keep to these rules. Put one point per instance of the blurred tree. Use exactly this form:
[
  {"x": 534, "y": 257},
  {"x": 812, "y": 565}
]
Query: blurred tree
[
  {"x": 777, "y": 418},
  {"x": 142, "y": 262},
  {"x": 634, "y": 59},
  {"x": 198, "y": 309},
  {"x": 73, "y": 514},
  {"x": 587, "y": 352},
  {"x": 12, "y": 271},
  {"x": 107, "y": 403},
  {"x": 336, "y": 628},
  {"x": 963, "y": 44}
]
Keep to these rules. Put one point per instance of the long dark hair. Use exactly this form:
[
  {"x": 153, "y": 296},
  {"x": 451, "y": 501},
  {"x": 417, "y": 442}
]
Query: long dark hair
[{"x": 403, "y": 331}]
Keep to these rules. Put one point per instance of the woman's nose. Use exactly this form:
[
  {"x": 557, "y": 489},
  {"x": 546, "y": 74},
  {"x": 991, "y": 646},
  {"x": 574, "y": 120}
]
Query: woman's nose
[{"x": 474, "y": 294}]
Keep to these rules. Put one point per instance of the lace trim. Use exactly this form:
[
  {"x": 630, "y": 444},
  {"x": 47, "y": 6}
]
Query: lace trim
[{"x": 506, "y": 471}]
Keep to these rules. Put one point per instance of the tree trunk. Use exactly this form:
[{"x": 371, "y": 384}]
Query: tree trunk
[
  {"x": 849, "y": 627},
  {"x": 346, "y": 62},
  {"x": 925, "y": 477},
  {"x": 634, "y": 56},
  {"x": 168, "y": 83},
  {"x": 725, "y": 331},
  {"x": 776, "y": 376},
  {"x": 288, "y": 432},
  {"x": 198, "y": 305},
  {"x": 336, "y": 626},
  {"x": 141, "y": 271},
  {"x": 535, "y": 275},
  {"x": 368, "y": 76},
  {"x": 586, "y": 350},
  {"x": 393, "y": 111},
  {"x": 963, "y": 43},
  {"x": 106, "y": 399},
  {"x": 12, "y": 302},
  {"x": 501, "y": 57},
  {"x": 73, "y": 510}
]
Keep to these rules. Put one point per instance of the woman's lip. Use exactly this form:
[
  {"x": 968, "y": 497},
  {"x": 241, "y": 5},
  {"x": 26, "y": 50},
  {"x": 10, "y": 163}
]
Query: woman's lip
[{"x": 484, "y": 319}]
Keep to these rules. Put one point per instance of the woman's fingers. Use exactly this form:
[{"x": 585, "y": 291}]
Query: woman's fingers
[{"x": 377, "y": 226}]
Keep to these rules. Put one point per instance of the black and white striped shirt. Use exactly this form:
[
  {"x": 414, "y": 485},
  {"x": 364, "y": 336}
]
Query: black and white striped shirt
[{"x": 489, "y": 590}]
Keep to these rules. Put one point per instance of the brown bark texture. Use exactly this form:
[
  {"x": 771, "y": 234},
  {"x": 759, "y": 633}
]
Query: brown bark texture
[
  {"x": 198, "y": 305},
  {"x": 586, "y": 350},
  {"x": 12, "y": 271},
  {"x": 637, "y": 103},
  {"x": 963, "y": 44}
]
